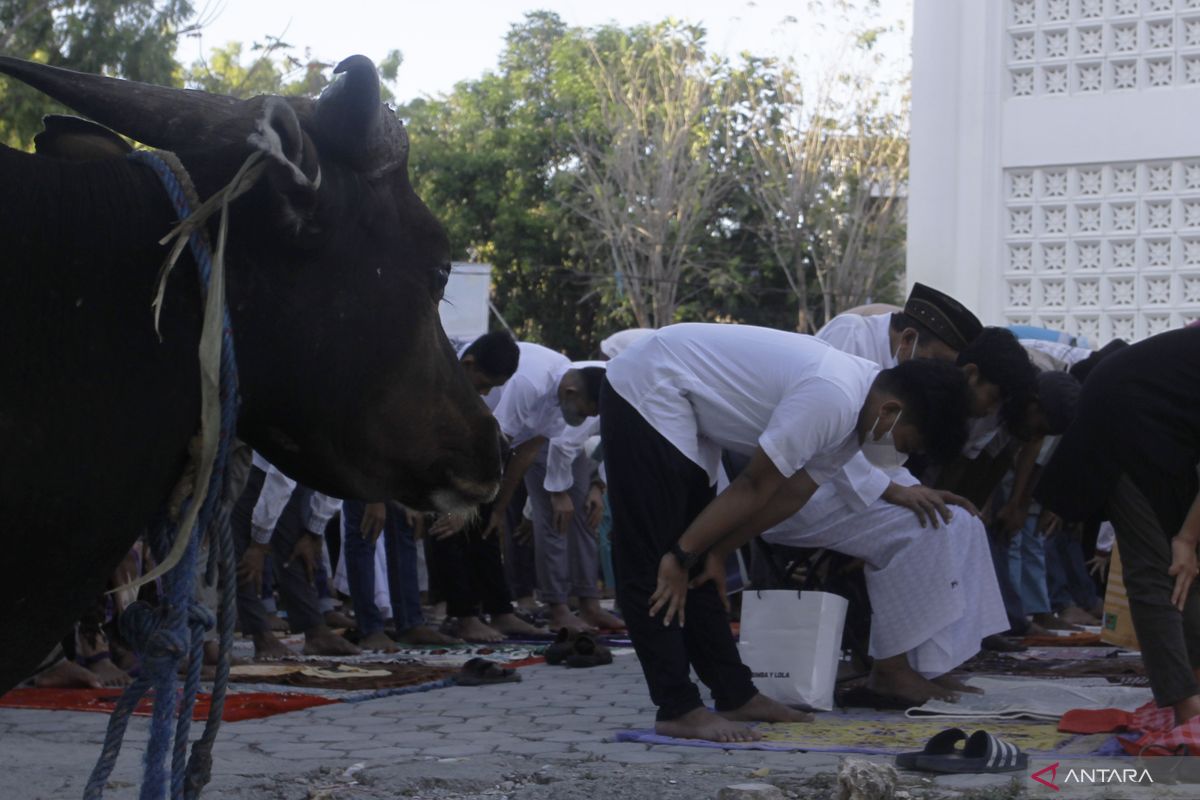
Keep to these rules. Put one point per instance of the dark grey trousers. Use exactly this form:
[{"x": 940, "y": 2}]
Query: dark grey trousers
[
  {"x": 298, "y": 595},
  {"x": 1170, "y": 640}
]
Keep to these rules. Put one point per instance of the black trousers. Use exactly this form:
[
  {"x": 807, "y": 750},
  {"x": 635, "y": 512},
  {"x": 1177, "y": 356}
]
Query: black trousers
[
  {"x": 655, "y": 492},
  {"x": 299, "y": 597},
  {"x": 520, "y": 565},
  {"x": 468, "y": 571},
  {"x": 1170, "y": 640}
]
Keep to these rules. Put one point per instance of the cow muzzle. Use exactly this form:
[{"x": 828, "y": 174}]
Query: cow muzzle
[{"x": 464, "y": 494}]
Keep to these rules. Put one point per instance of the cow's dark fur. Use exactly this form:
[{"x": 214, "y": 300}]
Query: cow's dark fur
[{"x": 348, "y": 382}]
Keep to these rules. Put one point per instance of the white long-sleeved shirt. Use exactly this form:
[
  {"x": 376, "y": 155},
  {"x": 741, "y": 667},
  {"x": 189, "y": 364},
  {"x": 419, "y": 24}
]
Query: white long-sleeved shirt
[
  {"x": 276, "y": 492},
  {"x": 569, "y": 444}
]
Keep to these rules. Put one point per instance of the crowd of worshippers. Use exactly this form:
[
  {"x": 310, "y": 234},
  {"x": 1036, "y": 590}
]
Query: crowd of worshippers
[{"x": 960, "y": 485}]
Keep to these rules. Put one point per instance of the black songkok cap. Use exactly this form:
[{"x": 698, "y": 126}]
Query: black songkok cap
[{"x": 949, "y": 319}]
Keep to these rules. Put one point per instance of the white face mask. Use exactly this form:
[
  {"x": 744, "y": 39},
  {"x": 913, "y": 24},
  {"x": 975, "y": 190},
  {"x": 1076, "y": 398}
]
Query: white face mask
[
  {"x": 912, "y": 353},
  {"x": 882, "y": 452}
]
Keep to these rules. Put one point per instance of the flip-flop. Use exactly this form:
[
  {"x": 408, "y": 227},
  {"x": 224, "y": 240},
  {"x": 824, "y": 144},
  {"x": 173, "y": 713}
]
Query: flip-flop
[
  {"x": 587, "y": 652},
  {"x": 982, "y": 753},
  {"x": 863, "y": 697},
  {"x": 563, "y": 645},
  {"x": 481, "y": 672}
]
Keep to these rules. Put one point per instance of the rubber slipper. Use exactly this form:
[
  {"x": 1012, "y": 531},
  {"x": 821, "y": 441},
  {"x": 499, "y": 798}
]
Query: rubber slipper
[
  {"x": 982, "y": 753},
  {"x": 563, "y": 645},
  {"x": 480, "y": 672},
  {"x": 587, "y": 652}
]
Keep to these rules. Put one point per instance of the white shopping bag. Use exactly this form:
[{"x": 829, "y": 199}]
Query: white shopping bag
[{"x": 792, "y": 642}]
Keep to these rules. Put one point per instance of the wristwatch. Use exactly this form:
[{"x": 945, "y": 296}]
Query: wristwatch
[{"x": 686, "y": 560}]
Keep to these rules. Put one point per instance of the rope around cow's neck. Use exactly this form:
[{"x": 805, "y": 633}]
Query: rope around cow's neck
[{"x": 162, "y": 636}]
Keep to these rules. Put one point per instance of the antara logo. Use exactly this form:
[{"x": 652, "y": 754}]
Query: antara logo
[
  {"x": 1053, "y": 770},
  {"x": 1090, "y": 776}
]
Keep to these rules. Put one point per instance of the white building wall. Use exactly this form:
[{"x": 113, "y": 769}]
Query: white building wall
[{"x": 1055, "y": 162}]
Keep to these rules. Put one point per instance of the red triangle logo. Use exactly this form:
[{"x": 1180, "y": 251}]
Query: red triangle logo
[{"x": 1053, "y": 770}]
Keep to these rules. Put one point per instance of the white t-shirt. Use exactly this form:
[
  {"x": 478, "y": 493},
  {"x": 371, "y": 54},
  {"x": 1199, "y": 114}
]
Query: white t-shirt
[
  {"x": 859, "y": 482},
  {"x": 738, "y": 387},
  {"x": 527, "y": 405}
]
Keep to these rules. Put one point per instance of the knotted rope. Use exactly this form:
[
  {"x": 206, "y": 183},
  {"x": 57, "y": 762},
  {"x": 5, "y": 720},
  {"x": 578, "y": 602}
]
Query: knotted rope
[{"x": 165, "y": 635}]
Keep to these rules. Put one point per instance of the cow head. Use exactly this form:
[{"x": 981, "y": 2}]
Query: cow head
[{"x": 335, "y": 270}]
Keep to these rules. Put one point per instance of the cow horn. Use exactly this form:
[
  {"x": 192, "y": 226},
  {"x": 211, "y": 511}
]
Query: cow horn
[
  {"x": 157, "y": 116},
  {"x": 352, "y": 120}
]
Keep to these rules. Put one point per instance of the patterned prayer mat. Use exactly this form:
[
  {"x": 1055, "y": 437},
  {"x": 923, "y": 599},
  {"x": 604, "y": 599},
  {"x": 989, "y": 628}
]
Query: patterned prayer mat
[
  {"x": 330, "y": 674},
  {"x": 886, "y": 734}
]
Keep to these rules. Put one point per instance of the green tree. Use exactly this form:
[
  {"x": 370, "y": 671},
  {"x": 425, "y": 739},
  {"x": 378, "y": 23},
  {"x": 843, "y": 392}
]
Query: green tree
[
  {"x": 488, "y": 159},
  {"x": 272, "y": 66},
  {"x": 125, "y": 38}
]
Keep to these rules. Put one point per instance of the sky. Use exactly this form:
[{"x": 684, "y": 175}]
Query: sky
[{"x": 447, "y": 41}]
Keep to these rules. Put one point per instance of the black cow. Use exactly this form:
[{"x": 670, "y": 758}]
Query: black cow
[{"x": 334, "y": 271}]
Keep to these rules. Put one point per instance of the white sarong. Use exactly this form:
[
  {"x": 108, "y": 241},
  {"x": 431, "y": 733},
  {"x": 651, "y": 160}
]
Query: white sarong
[{"x": 933, "y": 592}]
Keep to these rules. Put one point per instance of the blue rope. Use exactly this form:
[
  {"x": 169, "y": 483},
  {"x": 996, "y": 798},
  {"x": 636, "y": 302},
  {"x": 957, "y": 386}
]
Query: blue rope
[{"x": 163, "y": 636}]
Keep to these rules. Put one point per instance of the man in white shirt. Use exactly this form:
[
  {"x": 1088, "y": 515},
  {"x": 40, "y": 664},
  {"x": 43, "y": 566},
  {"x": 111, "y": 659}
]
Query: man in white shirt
[
  {"x": 929, "y": 574},
  {"x": 466, "y": 566},
  {"x": 799, "y": 409},
  {"x": 544, "y": 411},
  {"x": 275, "y": 518}
]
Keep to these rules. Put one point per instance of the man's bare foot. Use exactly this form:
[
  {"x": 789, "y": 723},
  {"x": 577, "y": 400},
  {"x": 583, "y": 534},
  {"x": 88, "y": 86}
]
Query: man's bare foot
[
  {"x": 562, "y": 617},
  {"x": 701, "y": 723},
  {"x": 512, "y": 625},
  {"x": 952, "y": 683},
  {"x": 1052, "y": 622},
  {"x": 336, "y": 619},
  {"x": 761, "y": 708},
  {"x": 1077, "y": 616},
  {"x": 95, "y": 657},
  {"x": 212, "y": 654},
  {"x": 378, "y": 641},
  {"x": 527, "y": 603},
  {"x": 277, "y": 623},
  {"x": 321, "y": 641},
  {"x": 426, "y": 634},
  {"x": 593, "y": 614},
  {"x": 269, "y": 648},
  {"x": 67, "y": 675},
  {"x": 473, "y": 629},
  {"x": 893, "y": 677},
  {"x": 110, "y": 675}
]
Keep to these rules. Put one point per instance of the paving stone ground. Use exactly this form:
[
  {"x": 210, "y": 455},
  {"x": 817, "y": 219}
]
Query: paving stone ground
[{"x": 546, "y": 738}]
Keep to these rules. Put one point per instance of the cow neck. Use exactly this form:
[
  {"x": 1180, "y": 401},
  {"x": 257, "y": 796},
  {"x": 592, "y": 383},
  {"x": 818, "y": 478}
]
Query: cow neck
[{"x": 165, "y": 635}]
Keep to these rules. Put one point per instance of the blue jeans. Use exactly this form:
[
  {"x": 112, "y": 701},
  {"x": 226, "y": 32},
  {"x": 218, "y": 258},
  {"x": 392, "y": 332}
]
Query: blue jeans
[
  {"x": 1067, "y": 574},
  {"x": 1027, "y": 567},
  {"x": 401, "y": 557}
]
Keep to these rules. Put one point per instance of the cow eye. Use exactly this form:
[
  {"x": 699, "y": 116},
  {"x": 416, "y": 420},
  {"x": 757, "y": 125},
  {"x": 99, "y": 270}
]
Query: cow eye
[{"x": 441, "y": 277}]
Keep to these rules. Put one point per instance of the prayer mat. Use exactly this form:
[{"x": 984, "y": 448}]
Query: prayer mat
[
  {"x": 1076, "y": 639},
  {"x": 882, "y": 734},
  {"x": 1024, "y": 698},
  {"x": 329, "y": 674},
  {"x": 1114, "y": 664},
  {"x": 454, "y": 655},
  {"x": 238, "y": 707}
]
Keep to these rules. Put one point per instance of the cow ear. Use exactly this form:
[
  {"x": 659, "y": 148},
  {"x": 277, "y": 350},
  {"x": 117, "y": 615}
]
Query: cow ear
[
  {"x": 76, "y": 139},
  {"x": 295, "y": 171}
]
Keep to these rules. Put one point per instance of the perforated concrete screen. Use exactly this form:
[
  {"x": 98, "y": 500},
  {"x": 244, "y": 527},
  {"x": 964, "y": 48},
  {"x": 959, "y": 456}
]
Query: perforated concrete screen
[{"x": 1056, "y": 161}]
